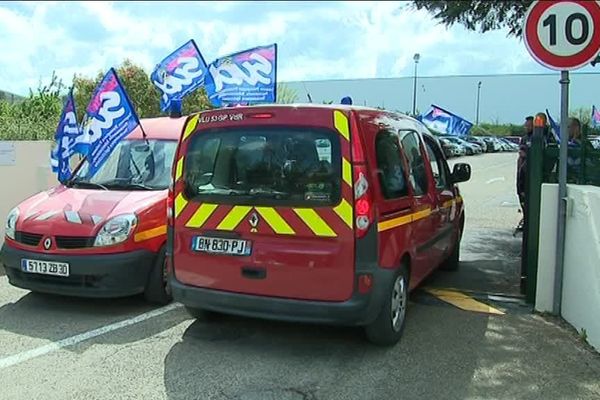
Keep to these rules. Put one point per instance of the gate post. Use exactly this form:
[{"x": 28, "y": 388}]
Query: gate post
[{"x": 533, "y": 195}]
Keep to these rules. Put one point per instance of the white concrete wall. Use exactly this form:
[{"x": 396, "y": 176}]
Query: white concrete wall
[
  {"x": 581, "y": 280},
  {"x": 30, "y": 174}
]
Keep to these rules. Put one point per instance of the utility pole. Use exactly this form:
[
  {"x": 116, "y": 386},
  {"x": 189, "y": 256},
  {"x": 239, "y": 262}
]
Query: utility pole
[
  {"x": 416, "y": 59},
  {"x": 478, "y": 91}
]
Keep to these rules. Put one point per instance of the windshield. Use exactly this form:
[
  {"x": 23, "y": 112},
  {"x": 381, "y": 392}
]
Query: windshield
[
  {"x": 283, "y": 166},
  {"x": 133, "y": 164}
]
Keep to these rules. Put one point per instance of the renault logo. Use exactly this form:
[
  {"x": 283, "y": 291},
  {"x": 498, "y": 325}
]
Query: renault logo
[
  {"x": 253, "y": 222},
  {"x": 47, "y": 243}
]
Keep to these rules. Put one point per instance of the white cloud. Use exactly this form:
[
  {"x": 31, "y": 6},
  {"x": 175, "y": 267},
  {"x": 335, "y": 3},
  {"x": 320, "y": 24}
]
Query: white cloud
[{"x": 320, "y": 40}]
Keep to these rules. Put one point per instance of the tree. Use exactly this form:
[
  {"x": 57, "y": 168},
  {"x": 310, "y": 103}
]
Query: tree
[
  {"x": 479, "y": 15},
  {"x": 285, "y": 94},
  {"x": 143, "y": 94}
]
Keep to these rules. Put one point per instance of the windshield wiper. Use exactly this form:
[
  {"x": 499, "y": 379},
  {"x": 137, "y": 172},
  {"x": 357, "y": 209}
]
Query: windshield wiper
[
  {"x": 128, "y": 185},
  {"x": 86, "y": 183}
]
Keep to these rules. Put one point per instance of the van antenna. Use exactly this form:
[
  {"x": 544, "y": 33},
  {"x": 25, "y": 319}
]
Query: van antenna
[{"x": 307, "y": 93}]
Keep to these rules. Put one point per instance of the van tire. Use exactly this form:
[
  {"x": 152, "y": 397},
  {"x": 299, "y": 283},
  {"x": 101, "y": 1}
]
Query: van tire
[
  {"x": 452, "y": 262},
  {"x": 383, "y": 331},
  {"x": 158, "y": 289}
]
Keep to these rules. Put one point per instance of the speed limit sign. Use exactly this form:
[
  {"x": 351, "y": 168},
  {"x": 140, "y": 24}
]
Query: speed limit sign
[{"x": 563, "y": 34}]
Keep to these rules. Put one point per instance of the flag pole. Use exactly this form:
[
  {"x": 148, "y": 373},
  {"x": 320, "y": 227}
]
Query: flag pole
[{"x": 131, "y": 105}]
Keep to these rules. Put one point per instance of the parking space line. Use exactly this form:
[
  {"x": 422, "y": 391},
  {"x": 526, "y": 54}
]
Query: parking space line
[
  {"x": 498, "y": 179},
  {"x": 70, "y": 341},
  {"x": 462, "y": 301}
]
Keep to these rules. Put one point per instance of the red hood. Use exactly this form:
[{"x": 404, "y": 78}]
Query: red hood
[{"x": 80, "y": 212}]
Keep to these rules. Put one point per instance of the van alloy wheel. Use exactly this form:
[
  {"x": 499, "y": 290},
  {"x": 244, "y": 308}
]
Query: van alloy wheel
[{"x": 399, "y": 297}]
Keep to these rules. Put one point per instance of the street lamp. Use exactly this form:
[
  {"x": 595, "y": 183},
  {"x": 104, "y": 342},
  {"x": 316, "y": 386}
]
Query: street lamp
[
  {"x": 416, "y": 58},
  {"x": 478, "y": 91}
]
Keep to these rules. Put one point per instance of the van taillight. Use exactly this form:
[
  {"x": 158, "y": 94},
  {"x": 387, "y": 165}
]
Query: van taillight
[{"x": 363, "y": 203}]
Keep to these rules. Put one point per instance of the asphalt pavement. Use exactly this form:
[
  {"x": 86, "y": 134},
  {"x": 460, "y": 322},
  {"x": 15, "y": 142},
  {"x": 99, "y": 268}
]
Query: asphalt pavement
[{"x": 54, "y": 347}]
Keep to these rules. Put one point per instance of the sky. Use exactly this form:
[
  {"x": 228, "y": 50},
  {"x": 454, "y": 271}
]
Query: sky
[{"x": 316, "y": 40}]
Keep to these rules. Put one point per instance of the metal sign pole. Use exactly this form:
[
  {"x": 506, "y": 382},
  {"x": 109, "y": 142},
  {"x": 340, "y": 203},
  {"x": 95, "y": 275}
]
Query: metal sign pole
[{"x": 562, "y": 191}]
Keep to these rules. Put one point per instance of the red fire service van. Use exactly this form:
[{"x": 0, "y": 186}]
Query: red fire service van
[
  {"x": 310, "y": 213},
  {"x": 104, "y": 235}
]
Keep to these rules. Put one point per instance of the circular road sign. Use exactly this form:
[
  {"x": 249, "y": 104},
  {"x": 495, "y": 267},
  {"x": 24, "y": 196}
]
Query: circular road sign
[{"x": 563, "y": 34}]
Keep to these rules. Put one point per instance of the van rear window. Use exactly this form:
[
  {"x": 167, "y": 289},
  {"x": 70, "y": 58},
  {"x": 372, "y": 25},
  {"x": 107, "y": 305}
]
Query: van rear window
[{"x": 286, "y": 166}]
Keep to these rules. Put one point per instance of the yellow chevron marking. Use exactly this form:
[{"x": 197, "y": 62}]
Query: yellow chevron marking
[
  {"x": 233, "y": 218},
  {"x": 191, "y": 125},
  {"x": 180, "y": 203},
  {"x": 347, "y": 171},
  {"x": 275, "y": 221},
  {"x": 201, "y": 215},
  {"x": 341, "y": 124},
  {"x": 150, "y": 233},
  {"x": 463, "y": 301},
  {"x": 179, "y": 169},
  {"x": 314, "y": 222},
  {"x": 344, "y": 210}
]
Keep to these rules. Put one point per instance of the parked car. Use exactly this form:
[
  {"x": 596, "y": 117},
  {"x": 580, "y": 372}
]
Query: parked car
[
  {"x": 478, "y": 141},
  {"x": 261, "y": 225},
  {"x": 100, "y": 235},
  {"x": 470, "y": 148},
  {"x": 492, "y": 144},
  {"x": 451, "y": 149},
  {"x": 508, "y": 145}
]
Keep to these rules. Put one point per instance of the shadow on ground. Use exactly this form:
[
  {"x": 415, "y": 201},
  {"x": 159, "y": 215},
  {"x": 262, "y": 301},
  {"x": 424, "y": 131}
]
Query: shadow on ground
[
  {"x": 54, "y": 317},
  {"x": 490, "y": 263}
]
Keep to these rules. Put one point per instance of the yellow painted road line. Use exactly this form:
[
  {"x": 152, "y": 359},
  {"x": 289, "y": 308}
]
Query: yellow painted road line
[{"x": 462, "y": 301}]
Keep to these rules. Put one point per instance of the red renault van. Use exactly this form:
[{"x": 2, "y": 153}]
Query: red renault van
[
  {"x": 324, "y": 214},
  {"x": 104, "y": 235}
]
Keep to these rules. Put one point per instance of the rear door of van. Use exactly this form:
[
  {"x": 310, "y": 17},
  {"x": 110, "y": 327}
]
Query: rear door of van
[{"x": 263, "y": 203}]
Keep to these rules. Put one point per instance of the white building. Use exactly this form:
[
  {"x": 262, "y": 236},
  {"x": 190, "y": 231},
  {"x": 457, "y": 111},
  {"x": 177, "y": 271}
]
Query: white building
[{"x": 503, "y": 98}]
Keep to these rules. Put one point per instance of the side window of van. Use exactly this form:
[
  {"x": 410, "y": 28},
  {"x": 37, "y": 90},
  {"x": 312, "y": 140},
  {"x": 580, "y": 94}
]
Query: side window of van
[
  {"x": 392, "y": 177},
  {"x": 437, "y": 166},
  {"x": 416, "y": 163}
]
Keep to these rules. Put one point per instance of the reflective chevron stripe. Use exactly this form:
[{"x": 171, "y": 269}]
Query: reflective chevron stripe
[
  {"x": 344, "y": 210},
  {"x": 179, "y": 169},
  {"x": 340, "y": 122},
  {"x": 202, "y": 214},
  {"x": 347, "y": 171},
  {"x": 314, "y": 222},
  {"x": 150, "y": 233},
  {"x": 191, "y": 125},
  {"x": 233, "y": 218},
  {"x": 275, "y": 221},
  {"x": 180, "y": 203}
]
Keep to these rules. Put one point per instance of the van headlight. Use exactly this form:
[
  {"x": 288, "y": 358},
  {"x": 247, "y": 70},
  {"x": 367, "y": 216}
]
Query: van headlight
[
  {"x": 11, "y": 223},
  {"x": 116, "y": 230}
]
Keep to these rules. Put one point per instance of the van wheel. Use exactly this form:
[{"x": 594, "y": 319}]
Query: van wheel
[
  {"x": 158, "y": 288},
  {"x": 387, "y": 329},
  {"x": 451, "y": 263}
]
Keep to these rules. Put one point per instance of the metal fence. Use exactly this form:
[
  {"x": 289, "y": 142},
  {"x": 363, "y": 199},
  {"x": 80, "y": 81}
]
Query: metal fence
[{"x": 583, "y": 165}]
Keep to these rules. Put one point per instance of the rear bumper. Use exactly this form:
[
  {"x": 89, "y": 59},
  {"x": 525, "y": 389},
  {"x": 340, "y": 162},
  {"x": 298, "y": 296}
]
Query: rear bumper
[
  {"x": 103, "y": 275},
  {"x": 358, "y": 310}
]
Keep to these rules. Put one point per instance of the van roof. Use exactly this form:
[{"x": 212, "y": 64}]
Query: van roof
[{"x": 159, "y": 128}]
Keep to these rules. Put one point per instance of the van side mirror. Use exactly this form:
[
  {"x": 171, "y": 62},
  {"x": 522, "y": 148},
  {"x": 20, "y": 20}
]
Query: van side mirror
[{"x": 461, "y": 173}]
